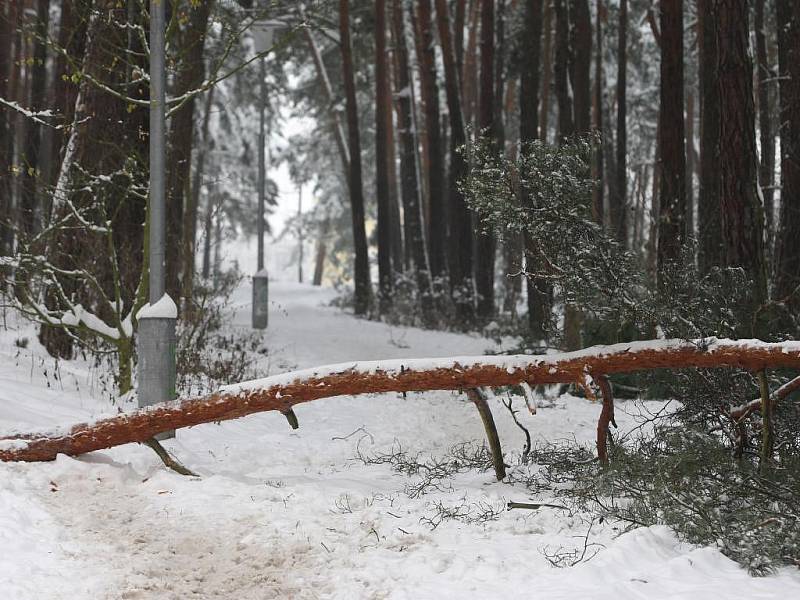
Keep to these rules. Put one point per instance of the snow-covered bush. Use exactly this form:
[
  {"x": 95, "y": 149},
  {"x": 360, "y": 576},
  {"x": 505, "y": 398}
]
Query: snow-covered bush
[
  {"x": 208, "y": 354},
  {"x": 702, "y": 470}
]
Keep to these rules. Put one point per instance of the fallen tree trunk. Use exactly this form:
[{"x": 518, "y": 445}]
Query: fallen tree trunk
[{"x": 281, "y": 392}]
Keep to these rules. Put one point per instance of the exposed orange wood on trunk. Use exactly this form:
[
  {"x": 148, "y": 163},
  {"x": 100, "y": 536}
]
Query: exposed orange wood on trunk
[{"x": 284, "y": 391}]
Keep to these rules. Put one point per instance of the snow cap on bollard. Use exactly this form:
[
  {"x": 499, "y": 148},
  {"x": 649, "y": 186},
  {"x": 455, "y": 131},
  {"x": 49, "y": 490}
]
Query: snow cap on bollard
[
  {"x": 157, "y": 344},
  {"x": 261, "y": 299}
]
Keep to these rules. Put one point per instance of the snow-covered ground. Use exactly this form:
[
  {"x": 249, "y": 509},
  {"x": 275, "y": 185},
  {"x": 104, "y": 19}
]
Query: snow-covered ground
[{"x": 295, "y": 514}]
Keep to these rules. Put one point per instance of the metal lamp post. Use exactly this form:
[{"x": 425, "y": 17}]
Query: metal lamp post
[
  {"x": 263, "y": 34},
  {"x": 157, "y": 319}
]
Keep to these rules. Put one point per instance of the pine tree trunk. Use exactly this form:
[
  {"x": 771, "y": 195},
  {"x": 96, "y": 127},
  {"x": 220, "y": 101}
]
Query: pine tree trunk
[
  {"x": 766, "y": 171},
  {"x": 469, "y": 72},
  {"x": 597, "y": 107},
  {"x": 709, "y": 210},
  {"x": 581, "y": 64},
  {"x": 458, "y": 36},
  {"x": 672, "y": 189},
  {"x": 208, "y": 223},
  {"x": 460, "y": 251},
  {"x": 538, "y": 290},
  {"x": 437, "y": 235},
  {"x": 485, "y": 241},
  {"x": 409, "y": 190},
  {"x": 566, "y": 123},
  {"x": 398, "y": 252},
  {"x": 361, "y": 271},
  {"x": 619, "y": 201},
  {"x": 742, "y": 216},
  {"x": 190, "y": 216},
  {"x": 382, "y": 107},
  {"x": 787, "y": 262},
  {"x": 8, "y": 18},
  {"x": 179, "y": 154},
  {"x": 321, "y": 253},
  {"x": 690, "y": 224},
  {"x": 547, "y": 69},
  {"x": 31, "y": 158}
]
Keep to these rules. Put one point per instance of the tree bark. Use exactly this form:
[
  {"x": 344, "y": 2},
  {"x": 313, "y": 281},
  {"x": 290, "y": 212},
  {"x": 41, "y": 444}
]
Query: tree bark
[
  {"x": 284, "y": 391},
  {"x": 361, "y": 271},
  {"x": 566, "y": 123},
  {"x": 742, "y": 216},
  {"x": 412, "y": 217},
  {"x": 538, "y": 292},
  {"x": 436, "y": 182},
  {"x": 597, "y": 120},
  {"x": 690, "y": 224},
  {"x": 547, "y": 69},
  {"x": 8, "y": 18},
  {"x": 192, "y": 208},
  {"x": 619, "y": 201},
  {"x": 672, "y": 189},
  {"x": 32, "y": 157},
  {"x": 485, "y": 241},
  {"x": 787, "y": 261},
  {"x": 709, "y": 203},
  {"x": 383, "y": 106},
  {"x": 766, "y": 171},
  {"x": 179, "y": 154},
  {"x": 460, "y": 251},
  {"x": 322, "y": 250},
  {"x": 581, "y": 64}
]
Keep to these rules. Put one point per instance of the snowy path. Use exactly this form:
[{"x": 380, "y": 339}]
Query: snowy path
[{"x": 292, "y": 514}]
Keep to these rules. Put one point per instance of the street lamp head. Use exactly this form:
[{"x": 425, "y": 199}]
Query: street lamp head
[{"x": 263, "y": 32}]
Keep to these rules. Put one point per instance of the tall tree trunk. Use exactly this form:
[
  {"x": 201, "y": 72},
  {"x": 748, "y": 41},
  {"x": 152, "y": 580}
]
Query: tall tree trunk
[
  {"x": 458, "y": 34},
  {"x": 581, "y": 64},
  {"x": 766, "y": 172},
  {"x": 460, "y": 251},
  {"x": 469, "y": 72},
  {"x": 415, "y": 239},
  {"x": 8, "y": 18},
  {"x": 597, "y": 109},
  {"x": 398, "y": 252},
  {"x": 436, "y": 183},
  {"x": 672, "y": 190},
  {"x": 485, "y": 242},
  {"x": 787, "y": 263},
  {"x": 690, "y": 224},
  {"x": 538, "y": 291},
  {"x": 709, "y": 203},
  {"x": 190, "y": 214},
  {"x": 208, "y": 224},
  {"x": 547, "y": 69},
  {"x": 322, "y": 250},
  {"x": 179, "y": 154},
  {"x": 72, "y": 38},
  {"x": 31, "y": 159},
  {"x": 382, "y": 107},
  {"x": 361, "y": 271},
  {"x": 619, "y": 201},
  {"x": 742, "y": 216},
  {"x": 566, "y": 123}
]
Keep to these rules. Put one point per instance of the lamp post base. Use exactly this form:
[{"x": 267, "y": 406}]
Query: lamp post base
[
  {"x": 157, "y": 345},
  {"x": 261, "y": 300}
]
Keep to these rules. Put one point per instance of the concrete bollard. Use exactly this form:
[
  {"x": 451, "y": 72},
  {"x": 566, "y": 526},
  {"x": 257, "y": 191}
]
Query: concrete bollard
[
  {"x": 157, "y": 344},
  {"x": 261, "y": 299}
]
